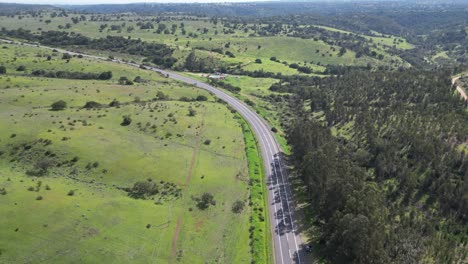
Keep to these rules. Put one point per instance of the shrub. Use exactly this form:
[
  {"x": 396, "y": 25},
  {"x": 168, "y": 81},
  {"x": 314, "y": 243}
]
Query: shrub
[
  {"x": 259, "y": 61},
  {"x": 207, "y": 142},
  {"x": 71, "y": 193},
  {"x": 66, "y": 56},
  {"x": 39, "y": 198},
  {"x": 92, "y": 104},
  {"x": 205, "y": 201},
  {"x": 201, "y": 98},
  {"x": 238, "y": 206},
  {"x": 21, "y": 68},
  {"x": 2, "y": 69},
  {"x": 114, "y": 103},
  {"x": 274, "y": 129},
  {"x": 59, "y": 105},
  {"x": 125, "y": 81},
  {"x": 3, "y": 191},
  {"x": 192, "y": 112},
  {"x": 127, "y": 120},
  {"x": 143, "y": 189},
  {"x": 105, "y": 75}
]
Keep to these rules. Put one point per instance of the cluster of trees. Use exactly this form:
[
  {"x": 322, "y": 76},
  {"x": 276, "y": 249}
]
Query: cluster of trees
[
  {"x": 159, "y": 54},
  {"x": 195, "y": 63},
  {"x": 392, "y": 189},
  {"x": 224, "y": 85},
  {"x": 107, "y": 75}
]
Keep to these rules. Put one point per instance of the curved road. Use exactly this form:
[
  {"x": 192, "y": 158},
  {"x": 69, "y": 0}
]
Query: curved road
[{"x": 286, "y": 240}]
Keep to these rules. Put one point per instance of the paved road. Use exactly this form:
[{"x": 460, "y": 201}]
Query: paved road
[
  {"x": 287, "y": 243},
  {"x": 459, "y": 88}
]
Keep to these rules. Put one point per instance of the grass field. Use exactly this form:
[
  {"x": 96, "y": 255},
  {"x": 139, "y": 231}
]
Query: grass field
[
  {"x": 89, "y": 152},
  {"x": 201, "y": 33}
]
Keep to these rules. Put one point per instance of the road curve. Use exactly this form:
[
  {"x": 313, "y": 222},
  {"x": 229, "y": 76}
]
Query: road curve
[{"x": 288, "y": 247}]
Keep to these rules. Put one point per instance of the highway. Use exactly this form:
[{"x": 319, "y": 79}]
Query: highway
[{"x": 288, "y": 247}]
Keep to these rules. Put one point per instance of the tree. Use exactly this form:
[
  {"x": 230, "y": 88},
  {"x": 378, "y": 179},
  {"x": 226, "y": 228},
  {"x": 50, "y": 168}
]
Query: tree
[
  {"x": 105, "y": 75},
  {"x": 2, "y": 69},
  {"x": 66, "y": 56},
  {"x": 143, "y": 189},
  {"x": 238, "y": 206},
  {"x": 125, "y": 81},
  {"x": 127, "y": 120},
  {"x": 92, "y": 104},
  {"x": 114, "y": 103},
  {"x": 259, "y": 61},
  {"x": 201, "y": 98},
  {"x": 192, "y": 112},
  {"x": 59, "y": 105},
  {"x": 205, "y": 201}
]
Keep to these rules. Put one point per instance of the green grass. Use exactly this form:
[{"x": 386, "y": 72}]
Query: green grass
[
  {"x": 246, "y": 47},
  {"x": 260, "y": 234},
  {"x": 100, "y": 223},
  {"x": 378, "y": 38}
]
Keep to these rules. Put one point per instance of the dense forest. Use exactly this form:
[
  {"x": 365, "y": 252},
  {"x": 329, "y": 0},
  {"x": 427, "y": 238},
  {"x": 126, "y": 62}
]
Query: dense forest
[{"x": 391, "y": 186}]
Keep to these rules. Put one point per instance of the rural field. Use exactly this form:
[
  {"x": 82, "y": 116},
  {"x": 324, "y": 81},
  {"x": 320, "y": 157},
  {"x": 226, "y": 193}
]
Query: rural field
[
  {"x": 78, "y": 180},
  {"x": 227, "y": 43}
]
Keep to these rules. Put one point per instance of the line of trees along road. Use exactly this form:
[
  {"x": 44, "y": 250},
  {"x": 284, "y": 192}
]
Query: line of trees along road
[
  {"x": 392, "y": 188},
  {"x": 159, "y": 54}
]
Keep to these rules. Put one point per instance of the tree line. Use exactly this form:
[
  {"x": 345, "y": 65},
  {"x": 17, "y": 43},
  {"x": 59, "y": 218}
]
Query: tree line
[{"x": 159, "y": 54}]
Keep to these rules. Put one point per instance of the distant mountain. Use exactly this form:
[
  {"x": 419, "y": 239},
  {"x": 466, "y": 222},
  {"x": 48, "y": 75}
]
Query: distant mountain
[
  {"x": 257, "y": 9},
  {"x": 264, "y": 9}
]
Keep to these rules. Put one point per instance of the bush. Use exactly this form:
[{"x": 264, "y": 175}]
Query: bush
[
  {"x": 66, "y": 56},
  {"x": 105, "y": 75},
  {"x": 21, "y": 68},
  {"x": 294, "y": 65},
  {"x": 192, "y": 112},
  {"x": 2, "y": 69},
  {"x": 92, "y": 104},
  {"x": 259, "y": 61},
  {"x": 125, "y": 81},
  {"x": 274, "y": 129},
  {"x": 39, "y": 198},
  {"x": 205, "y": 201},
  {"x": 59, "y": 105},
  {"x": 207, "y": 142},
  {"x": 114, "y": 103},
  {"x": 127, "y": 120},
  {"x": 71, "y": 193},
  {"x": 143, "y": 189},
  {"x": 201, "y": 98},
  {"x": 238, "y": 206}
]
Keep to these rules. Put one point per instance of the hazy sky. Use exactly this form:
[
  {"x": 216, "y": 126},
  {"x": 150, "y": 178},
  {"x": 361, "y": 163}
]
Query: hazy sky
[{"x": 65, "y": 2}]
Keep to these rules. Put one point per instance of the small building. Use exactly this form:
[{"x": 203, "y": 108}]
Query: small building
[{"x": 217, "y": 76}]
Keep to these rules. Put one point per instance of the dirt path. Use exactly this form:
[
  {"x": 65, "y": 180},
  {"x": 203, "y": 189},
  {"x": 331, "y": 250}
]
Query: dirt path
[
  {"x": 459, "y": 88},
  {"x": 196, "y": 150}
]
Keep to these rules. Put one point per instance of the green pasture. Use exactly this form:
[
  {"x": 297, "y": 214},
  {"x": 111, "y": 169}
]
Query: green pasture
[{"x": 100, "y": 222}]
